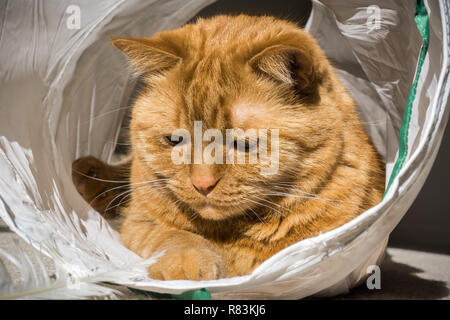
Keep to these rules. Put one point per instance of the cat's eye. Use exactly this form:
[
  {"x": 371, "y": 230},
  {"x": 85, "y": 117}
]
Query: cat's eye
[
  {"x": 173, "y": 140},
  {"x": 246, "y": 145}
]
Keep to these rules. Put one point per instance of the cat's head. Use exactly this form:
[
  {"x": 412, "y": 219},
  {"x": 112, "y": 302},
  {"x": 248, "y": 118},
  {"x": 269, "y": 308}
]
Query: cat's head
[{"x": 224, "y": 73}]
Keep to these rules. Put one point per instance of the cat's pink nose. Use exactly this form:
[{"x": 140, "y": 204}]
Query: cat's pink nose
[{"x": 204, "y": 183}]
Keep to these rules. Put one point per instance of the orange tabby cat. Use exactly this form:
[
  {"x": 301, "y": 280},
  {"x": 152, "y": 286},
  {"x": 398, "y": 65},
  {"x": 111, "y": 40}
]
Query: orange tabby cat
[{"x": 223, "y": 220}]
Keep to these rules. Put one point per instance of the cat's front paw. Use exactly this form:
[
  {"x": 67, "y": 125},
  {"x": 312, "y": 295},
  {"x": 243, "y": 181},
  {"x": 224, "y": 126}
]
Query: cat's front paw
[{"x": 187, "y": 264}]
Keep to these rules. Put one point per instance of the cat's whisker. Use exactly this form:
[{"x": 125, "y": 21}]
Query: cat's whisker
[
  {"x": 194, "y": 215},
  {"x": 120, "y": 187},
  {"x": 264, "y": 205},
  {"x": 301, "y": 185},
  {"x": 104, "y": 114},
  {"x": 162, "y": 188},
  {"x": 295, "y": 182},
  {"x": 296, "y": 190},
  {"x": 129, "y": 191},
  {"x": 254, "y": 212},
  {"x": 127, "y": 186},
  {"x": 118, "y": 143},
  {"x": 98, "y": 179},
  {"x": 135, "y": 188},
  {"x": 312, "y": 198},
  {"x": 317, "y": 195},
  {"x": 123, "y": 199},
  {"x": 176, "y": 202},
  {"x": 112, "y": 181},
  {"x": 374, "y": 123},
  {"x": 117, "y": 205},
  {"x": 271, "y": 202},
  {"x": 83, "y": 123}
]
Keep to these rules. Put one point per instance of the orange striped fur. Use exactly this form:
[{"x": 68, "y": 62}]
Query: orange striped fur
[{"x": 241, "y": 72}]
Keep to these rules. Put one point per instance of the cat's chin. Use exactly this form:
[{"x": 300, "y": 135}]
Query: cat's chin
[{"x": 212, "y": 212}]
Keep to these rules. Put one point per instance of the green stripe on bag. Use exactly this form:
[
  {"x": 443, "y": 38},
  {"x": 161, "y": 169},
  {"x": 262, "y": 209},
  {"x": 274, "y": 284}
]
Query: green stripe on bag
[{"x": 421, "y": 19}]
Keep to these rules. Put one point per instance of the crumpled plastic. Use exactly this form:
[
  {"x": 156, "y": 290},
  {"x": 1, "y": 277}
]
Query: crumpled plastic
[{"x": 64, "y": 91}]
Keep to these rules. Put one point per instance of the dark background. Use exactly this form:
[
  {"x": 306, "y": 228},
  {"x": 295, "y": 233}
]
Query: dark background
[{"x": 426, "y": 225}]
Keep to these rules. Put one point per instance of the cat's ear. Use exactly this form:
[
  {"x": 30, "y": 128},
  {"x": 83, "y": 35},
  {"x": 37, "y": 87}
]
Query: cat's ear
[
  {"x": 146, "y": 55},
  {"x": 289, "y": 65}
]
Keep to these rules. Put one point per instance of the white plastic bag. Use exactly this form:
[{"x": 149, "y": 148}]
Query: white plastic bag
[{"x": 63, "y": 93}]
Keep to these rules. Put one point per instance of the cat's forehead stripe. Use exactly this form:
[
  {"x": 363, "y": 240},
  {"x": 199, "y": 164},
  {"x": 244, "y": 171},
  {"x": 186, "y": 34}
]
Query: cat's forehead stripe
[{"x": 248, "y": 115}]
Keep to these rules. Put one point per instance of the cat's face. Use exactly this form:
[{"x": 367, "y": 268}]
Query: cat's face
[{"x": 199, "y": 79}]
